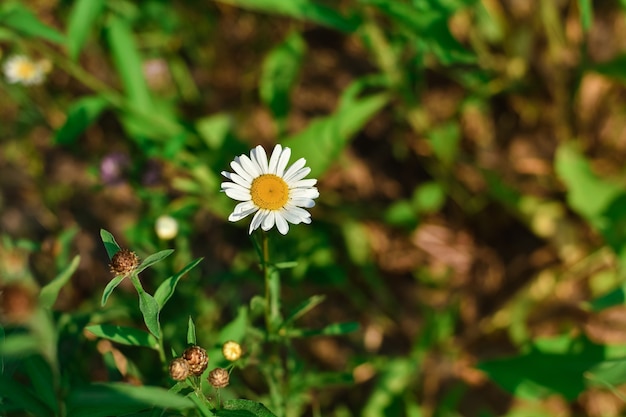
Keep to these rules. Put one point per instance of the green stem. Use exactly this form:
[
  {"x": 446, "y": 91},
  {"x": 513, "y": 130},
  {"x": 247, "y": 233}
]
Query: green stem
[{"x": 265, "y": 262}]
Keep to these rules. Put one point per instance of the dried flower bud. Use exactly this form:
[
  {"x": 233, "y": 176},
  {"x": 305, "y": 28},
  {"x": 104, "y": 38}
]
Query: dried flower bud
[
  {"x": 17, "y": 303},
  {"x": 124, "y": 262},
  {"x": 231, "y": 350},
  {"x": 179, "y": 369},
  {"x": 197, "y": 359},
  {"x": 219, "y": 378}
]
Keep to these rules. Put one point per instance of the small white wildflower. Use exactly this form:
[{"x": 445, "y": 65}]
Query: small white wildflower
[
  {"x": 23, "y": 70},
  {"x": 166, "y": 227},
  {"x": 276, "y": 195}
]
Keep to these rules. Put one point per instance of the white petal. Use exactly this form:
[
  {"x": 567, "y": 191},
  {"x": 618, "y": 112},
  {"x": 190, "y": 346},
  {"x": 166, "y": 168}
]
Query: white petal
[
  {"x": 304, "y": 193},
  {"x": 294, "y": 169},
  {"x": 238, "y": 168},
  {"x": 268, "y": 221},
  {"x": 250, "y": 167},
  {"x": 238, "y": 195},
  {"x": 301, "y": 213},
  {"x": 257, "y": 220},
  {"x": 227, "y": 185},
  {"x": 241, "y": 212},
  {"x": 245, "y": 207},
  {"x": 259, "y": 157},
  {"x": 291, "y": 217},
  {"x": 236, "y": 179},
  {"x": 283, "y": 161},
  {"x": 302, "y": 202},
  {"x": 281, "y": 223},
  {"x": 278, "y": 150},
  {"x": 303, "y": 183}
]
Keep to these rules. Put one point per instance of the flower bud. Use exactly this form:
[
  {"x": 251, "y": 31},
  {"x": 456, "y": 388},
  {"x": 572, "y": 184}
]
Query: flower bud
[
  {"x": 179, "y": 369},
  {"x": 231, "y": 350},
  {"x": 124, "y": 262},
  {"x": 219, "y": 378},
  {"x": 197, "y": 359},
  {"x": 166, "y": 227}
]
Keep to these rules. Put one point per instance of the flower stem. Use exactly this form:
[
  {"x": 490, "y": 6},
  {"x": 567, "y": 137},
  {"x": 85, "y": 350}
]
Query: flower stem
[{"x": 265, "y": 262}]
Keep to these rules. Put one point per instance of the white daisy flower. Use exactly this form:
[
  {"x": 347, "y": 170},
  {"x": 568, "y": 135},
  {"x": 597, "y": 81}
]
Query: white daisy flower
[
  {"x": 276, "y": 196},
  {"x": 21, "y": 69}
]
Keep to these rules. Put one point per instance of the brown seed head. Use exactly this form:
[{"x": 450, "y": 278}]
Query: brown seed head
[
  {"x": 197, "y": 359},
  {"x": 219, "y": 378},
  {"x": 17, "y": 303},
  {"x": 179, "y": 369},
  {"x": 124, "y": 262},
  {"x": 231, "y": 350}
]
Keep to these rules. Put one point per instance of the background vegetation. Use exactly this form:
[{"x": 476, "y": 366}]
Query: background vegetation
[{"x": 471, "y": 219}]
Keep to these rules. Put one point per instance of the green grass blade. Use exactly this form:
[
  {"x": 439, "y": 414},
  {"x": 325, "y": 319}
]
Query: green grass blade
[
  {"x": 81, "y": 21},
  {"x": 50, "y": 292}
]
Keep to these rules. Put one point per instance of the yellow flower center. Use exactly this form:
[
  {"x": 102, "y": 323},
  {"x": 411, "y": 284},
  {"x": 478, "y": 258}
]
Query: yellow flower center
[
  {"x": 269, "y": 192},
  {"x": 26, "y": 70}
]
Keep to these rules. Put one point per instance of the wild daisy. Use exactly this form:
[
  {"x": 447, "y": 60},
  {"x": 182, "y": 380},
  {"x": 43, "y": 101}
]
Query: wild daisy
[
  {"x": 21, "y": 69},
  {"x": 276, "y": 196}
]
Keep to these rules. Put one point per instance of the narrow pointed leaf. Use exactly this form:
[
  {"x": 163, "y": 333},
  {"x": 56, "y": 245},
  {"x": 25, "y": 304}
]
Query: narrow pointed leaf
[
  {"x": 167, "y": 287},
  {"x": 154, "y": 258},
  {"x": 124, "y": 335},
  {"x": 191, "y": 332},
  {"x": 49, "y": 293},
  {"x": 109, "y": 242},
  {"x": 150, "y": 310},
  {"x": 81, "y": 21},
  {"x": 110, "y": 287}
]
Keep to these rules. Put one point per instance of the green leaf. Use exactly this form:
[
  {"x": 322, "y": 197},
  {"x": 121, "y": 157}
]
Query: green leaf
[
  {"x": 301, "y": 9},
  {"x": 191, "y": 332},
  {"x": 109, "y": 242},
  {"x": 614, "y": 68},
  {"x": 124, "y": 335},
  {"x": 324, "y": 139},
  {"x": 330, "y": 330},
  {"x": 609, "y": 373},
  {"x": 22, "y": 397},
  {"x": 392, "y": 382},
  {"x": 444, "y": 141},
  {"x": 214, "y": 129},
  {"x": 150, "y": 310},
  {"x": 110, "y": 287},
  {"x": 128, "y": 63},
  {"x": 116, "y": 399},
  {"x": 551, "y": 366},
  {"x": 154, "y": 258},
  {"x": 167, "y": 287},
  {"x": 279, "y": 73},
  {"x": 23, "y": 21},
  {"x": 42, "y": 381},
  {"x": 304, "y": 308},
  {"x": 81, "y": 21},
  {"x": 81, "y": 115},
  {"x": 428, "y": 26},
  {"x": 19, "y": 345},
  {"x": 601, "y": 202},
  {"x": 50, "y": 292},
  {"x": 244, "y": 408},
  {"x": 586, "y": 14}
]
